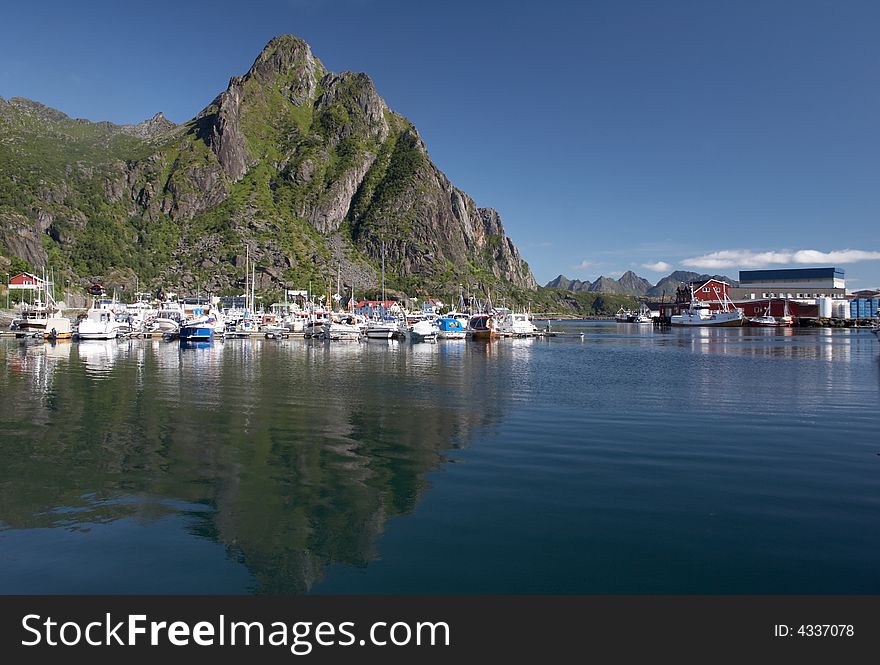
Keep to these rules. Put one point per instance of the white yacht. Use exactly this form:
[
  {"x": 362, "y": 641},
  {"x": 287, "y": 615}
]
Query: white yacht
[
  {"x": 167, "y": 319},
  {"x": 423, "y": 331},
  {"x": 99, "y": 323},
  {"x": 340, "y": 329},
  {"x": 385, "y": 329},
  {"x": 516, "y": 325}
]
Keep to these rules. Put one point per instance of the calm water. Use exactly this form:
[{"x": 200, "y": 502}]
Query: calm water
[{"x": 632, "y": 461}]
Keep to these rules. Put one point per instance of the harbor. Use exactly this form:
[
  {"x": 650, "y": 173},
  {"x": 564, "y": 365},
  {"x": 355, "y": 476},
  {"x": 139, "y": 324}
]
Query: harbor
[{"x": 302, "y": 314}]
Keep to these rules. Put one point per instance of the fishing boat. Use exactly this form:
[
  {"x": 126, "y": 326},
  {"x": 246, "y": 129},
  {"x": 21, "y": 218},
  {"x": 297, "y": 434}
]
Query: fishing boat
[
  {"x": 515, "y": 325},
  {"x": 482, "y": 326},
  {"x": 449, "y": 327},
  {"x": 624, "y": 316},
  {"x": 700, "y": 313},
  {"x": 643, "y": 315},
  {"x": 423, "y": 331}
]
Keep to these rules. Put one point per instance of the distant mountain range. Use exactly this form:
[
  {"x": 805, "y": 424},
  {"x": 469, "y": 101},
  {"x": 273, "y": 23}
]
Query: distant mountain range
[{"x": 634, "y": 285}]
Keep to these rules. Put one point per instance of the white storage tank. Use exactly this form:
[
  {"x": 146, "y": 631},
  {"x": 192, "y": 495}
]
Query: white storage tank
[
  {"x": 825, "y": 307},
  {"x": 841, "y": 309}
]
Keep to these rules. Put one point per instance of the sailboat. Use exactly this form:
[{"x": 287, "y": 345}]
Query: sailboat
[
  {"x": 769, "y": 321},
  {"x": 42, "y": 317},
  {"x": 384, "y": 326}
]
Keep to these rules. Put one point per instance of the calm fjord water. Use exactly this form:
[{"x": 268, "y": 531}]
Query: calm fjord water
[{"x": 632, "y": 461}]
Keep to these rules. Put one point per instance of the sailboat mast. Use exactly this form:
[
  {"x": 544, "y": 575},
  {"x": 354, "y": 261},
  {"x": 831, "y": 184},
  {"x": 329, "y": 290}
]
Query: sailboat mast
[{"x": 383, "y": 275}]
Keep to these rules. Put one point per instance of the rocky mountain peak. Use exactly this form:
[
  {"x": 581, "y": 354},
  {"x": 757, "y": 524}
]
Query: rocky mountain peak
[
  {"x": 633, "y": 284},
  {"x": 357, "y": 95},
  {"x": 287, "y": 62},
  {"x": 32, "y": 108},
  {"x": 152, "y": 128},
  {"x": 310, "y": 167}
]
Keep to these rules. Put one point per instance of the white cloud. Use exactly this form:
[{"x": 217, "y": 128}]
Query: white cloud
[
  {"x": 584, "y": 265},
  {"x": 659, "y": 266},
  {"x": 746, "y": 258}
]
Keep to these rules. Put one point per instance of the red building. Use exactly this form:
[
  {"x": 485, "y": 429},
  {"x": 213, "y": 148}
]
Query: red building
[
  {"x": 713, "y": 291},
  {"x": 26, "y": 281},
  {"x": 799, "y": 310},
  {"x": 710, "y": 291}
]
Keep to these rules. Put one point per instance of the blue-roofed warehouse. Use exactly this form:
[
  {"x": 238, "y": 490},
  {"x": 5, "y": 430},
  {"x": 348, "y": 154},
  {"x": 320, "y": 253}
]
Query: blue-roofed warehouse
[{"x": 790, "y": 283}]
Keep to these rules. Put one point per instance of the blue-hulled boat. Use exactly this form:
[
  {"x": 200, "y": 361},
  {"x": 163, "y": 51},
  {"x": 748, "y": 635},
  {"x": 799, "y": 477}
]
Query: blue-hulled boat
[
  {"x": 450, "y": 328},
  {"x": 196, "y": 332},
  {"x": 198, "y": 329}
]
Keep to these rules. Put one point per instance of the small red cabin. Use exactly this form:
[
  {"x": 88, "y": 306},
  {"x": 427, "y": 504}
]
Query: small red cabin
[{"x": 26, "y": 281}]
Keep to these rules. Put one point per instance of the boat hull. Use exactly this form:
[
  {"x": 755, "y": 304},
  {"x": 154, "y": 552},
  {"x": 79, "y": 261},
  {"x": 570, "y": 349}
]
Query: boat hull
[
  {"x": 164, "y": 325},
  {"x": 766, "y": 324},
  {"x": 381, "y": 333},
  {"x": 451, "y": 334},
  {"x": 732, "y": 323},
  {"x": 85, "y": 336},
  {"x": 196, "y": 334}
]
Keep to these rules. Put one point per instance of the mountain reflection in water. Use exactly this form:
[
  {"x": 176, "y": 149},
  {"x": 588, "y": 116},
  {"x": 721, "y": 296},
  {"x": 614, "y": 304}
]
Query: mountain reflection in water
[
  {"x": 625, "y": 461},
  {"x": 294, "y": 455}
]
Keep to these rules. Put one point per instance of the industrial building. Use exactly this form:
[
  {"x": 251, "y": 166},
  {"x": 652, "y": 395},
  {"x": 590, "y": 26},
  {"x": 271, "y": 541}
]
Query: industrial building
[
  {"x": 715, "y": 292},
  {"x": 790, "y": 283}
]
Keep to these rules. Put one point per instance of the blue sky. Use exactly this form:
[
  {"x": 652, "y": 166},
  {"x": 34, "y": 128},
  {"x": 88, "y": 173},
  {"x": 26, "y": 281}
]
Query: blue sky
[{"x": 610, "y": 135}]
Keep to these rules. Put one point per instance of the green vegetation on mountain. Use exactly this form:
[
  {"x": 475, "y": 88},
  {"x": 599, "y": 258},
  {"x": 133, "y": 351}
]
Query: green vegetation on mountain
[{"x": 310, "y": 168}]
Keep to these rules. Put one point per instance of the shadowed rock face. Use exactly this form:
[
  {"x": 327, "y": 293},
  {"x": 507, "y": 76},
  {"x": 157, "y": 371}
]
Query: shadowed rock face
[{"x": 310, "y": 167}]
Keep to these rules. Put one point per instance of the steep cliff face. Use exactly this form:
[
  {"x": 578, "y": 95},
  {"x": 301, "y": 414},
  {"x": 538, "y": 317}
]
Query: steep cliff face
[{"x": 311, "y": 168}]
